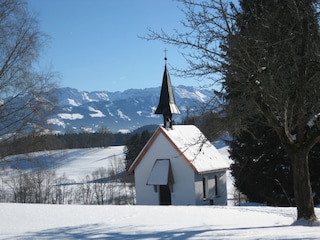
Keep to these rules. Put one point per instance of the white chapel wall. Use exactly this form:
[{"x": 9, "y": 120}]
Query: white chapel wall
[
  {"x": 213, "y": 196},
  {"x": 183, "y": 188}
]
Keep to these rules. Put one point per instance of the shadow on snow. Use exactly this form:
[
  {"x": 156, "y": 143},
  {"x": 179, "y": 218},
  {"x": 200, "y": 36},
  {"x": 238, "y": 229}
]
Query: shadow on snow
[{"x": 101, "y": 231}]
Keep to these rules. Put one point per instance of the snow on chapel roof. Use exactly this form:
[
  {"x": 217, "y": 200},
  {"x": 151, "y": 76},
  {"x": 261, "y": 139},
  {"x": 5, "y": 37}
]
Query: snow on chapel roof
[
  {"x": 196, "y": 148},
  {"x": 193, "y": 146}
]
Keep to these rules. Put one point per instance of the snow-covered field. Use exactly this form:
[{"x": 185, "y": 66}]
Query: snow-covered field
[
  {"x": 75, "y": 163},
  {"x": 30, "y": 221},
  {"x": 36, "y": 221}
]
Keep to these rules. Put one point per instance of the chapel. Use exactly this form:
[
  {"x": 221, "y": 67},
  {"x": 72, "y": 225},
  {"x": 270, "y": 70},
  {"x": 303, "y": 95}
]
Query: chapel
[{"x": 178, "y": 165}]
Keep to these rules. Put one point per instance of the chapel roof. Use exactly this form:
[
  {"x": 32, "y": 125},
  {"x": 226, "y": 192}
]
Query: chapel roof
[{"x": 192, "y": 145}]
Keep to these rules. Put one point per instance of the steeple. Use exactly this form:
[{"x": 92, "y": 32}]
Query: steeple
[{"x": 167, "y": 105}]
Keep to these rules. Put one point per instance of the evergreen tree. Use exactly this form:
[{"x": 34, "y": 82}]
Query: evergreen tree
[
  {"x": 134, "y": 145},
  {"x": 262, "y": 169}
]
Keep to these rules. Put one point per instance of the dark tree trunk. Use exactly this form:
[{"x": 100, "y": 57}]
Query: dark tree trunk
[{"x": 302, "y": 185}]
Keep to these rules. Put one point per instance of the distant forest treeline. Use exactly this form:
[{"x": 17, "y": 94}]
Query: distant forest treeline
[{"x": 35, "y": 143}]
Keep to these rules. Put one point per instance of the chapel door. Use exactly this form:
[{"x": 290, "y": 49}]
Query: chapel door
[{"x": 165, "y": 195}]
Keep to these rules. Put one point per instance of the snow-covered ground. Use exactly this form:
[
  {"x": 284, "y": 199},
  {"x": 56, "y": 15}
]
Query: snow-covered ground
[
  {"x": 31, "y": 221},
  {"x": 37, "y": 221}
]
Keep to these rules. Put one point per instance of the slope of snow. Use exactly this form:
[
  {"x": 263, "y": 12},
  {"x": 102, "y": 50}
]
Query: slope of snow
[
  {"x": 82, "y": 162},
  {"x": 190, "y": 92},
  {"x": 97, "y": 113},
  {"x": 124, "y": 131},
  {"x": 86, "y": 97},
  {"x": 72, "y": 102},
  {"x": 70, "y": 116},
  {"x": 102, "y": 95},
  {"x": 122, "y": 115},
  {"x": 56, "y": 122},
  {"x": 74, "y": 163}
]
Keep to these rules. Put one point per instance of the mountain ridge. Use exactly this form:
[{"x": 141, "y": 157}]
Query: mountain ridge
[{"x": 117, "y": 111}]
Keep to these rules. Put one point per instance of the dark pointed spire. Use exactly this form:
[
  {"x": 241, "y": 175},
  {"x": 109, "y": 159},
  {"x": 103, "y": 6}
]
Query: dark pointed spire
[{"x": 167, "y": 105}]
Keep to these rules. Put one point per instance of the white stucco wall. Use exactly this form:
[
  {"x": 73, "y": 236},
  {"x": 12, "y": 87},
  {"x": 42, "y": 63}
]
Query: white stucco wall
[
  {"x": 221, "y": 198},
  {"x": 183, "y": 187}
]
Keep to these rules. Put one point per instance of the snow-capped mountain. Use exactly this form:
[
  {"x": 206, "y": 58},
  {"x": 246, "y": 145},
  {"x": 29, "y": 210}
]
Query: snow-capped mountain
[{"x": 117, "y": 111}]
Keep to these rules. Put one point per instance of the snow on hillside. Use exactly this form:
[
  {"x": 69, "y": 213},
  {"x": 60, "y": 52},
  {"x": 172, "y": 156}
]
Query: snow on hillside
[
  {"x": 74, "y": 163},
  {"x": 70, "y": 116},
  {"x": 186, "y": 93},
  {"x": 97, "y": 113}
]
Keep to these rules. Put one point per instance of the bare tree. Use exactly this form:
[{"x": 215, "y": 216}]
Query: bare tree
[
  {"x": 22, "y": 87},
  {"x": 85, "y": 191},
  {"x": 99, "y": 181},
  {"x": 265, "y": 55},
  {"x": 60, "y": 189}
]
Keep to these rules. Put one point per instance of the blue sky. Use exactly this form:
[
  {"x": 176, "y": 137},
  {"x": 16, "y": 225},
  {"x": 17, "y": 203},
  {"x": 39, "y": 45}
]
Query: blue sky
[{"x": 94, "y": 44}]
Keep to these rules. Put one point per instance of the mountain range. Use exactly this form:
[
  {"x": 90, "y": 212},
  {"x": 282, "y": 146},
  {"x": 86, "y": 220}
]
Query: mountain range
[{"x": 118, "y": 111}]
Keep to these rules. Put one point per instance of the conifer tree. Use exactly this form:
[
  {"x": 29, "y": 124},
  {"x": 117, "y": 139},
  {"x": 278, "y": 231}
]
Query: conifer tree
[
  {"x": 134, "y": 145},
  {"x": 262, "y": 171}
]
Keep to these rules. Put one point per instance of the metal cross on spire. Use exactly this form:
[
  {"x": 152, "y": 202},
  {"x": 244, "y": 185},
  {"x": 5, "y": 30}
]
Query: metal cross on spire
[{"x": 165, "y": 54}]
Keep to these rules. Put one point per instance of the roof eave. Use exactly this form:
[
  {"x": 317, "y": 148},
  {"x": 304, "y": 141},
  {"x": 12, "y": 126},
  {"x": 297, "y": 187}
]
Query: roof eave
[
  {"x": 143, "y": 151},
  {"x": 212, "y": 171}
]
